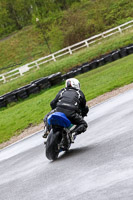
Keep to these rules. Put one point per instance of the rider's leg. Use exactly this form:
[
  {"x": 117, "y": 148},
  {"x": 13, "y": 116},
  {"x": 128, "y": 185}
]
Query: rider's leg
[{"x": 81, "y": 124}]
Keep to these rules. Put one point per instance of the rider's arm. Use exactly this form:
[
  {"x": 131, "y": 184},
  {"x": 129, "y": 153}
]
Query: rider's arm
[
  {"x": 55, "y": 100},
  {"x": 84, "y": 107}
]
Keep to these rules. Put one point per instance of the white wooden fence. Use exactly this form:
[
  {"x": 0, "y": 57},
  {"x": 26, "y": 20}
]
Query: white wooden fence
[{"x": 68, "y": 50}]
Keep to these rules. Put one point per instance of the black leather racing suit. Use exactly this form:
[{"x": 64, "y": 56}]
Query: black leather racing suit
[{"x": 72, "y": 103}]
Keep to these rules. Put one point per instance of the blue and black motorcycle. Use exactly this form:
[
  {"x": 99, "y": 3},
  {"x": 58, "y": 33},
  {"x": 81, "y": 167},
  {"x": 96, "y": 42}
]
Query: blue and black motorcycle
[{"x": 60, "y": 136}]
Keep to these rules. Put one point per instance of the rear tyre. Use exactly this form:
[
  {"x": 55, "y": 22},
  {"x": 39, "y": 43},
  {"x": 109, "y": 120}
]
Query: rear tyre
[{"x": 52, "y": 150}]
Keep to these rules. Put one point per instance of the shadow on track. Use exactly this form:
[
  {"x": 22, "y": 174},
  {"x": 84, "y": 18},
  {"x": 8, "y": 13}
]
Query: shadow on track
[{"x": 74, "y": 152}]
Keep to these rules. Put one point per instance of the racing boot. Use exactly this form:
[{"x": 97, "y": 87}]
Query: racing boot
[
  {"x": 45, "y": 135},
  {"x": 73, "y": 137},
  {"x": 46, "y": 132}
]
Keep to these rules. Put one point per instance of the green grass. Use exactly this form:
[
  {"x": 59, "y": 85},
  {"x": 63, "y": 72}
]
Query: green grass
[
  {"x": 23, "y": 47},
  {"x": 59, "y": 27},
  {"x": 17, "y": 117},
  {"x": 65, "y": 64}
]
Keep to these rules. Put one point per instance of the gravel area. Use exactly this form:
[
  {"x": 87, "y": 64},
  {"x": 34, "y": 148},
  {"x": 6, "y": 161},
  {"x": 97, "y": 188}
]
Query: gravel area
[{"x": 31, "y": 130}]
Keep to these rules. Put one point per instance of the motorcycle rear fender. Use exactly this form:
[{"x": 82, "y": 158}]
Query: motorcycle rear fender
[{"x": 60, "y": 119}]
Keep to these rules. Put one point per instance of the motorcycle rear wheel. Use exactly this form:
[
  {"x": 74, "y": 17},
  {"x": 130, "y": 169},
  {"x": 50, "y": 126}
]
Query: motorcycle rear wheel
[{"x": 52, "y": 150}]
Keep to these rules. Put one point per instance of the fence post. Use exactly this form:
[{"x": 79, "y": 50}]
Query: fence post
[
  {"x": 53, "y": 57},
  {"x": 37, "y": 65},
  {"x": 4, "y": 78},
  {"x": 70, "y": 51},
  {"x": 86, "y": 43},
  {"x": 21, "y": 74},
  {"x": 119, "y": 29},
  {"x": 103, "y": 35}
]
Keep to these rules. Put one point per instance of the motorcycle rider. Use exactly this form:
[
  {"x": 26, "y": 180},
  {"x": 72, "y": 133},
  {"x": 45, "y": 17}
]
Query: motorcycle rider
[{"x": 70, "y": 101}]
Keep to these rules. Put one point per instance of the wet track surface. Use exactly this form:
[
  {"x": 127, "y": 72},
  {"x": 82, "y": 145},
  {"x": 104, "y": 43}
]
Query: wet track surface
[{"x": 99, "y": 165}]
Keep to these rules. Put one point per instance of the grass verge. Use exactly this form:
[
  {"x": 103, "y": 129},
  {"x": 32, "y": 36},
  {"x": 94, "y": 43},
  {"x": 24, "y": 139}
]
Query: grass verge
[
  {"x": 65, "y": 64},
  {"x": 17, "y": 117}
]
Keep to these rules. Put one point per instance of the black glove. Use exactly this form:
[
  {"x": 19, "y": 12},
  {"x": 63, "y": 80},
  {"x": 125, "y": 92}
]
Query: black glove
[{"x": 85, "y": 111}]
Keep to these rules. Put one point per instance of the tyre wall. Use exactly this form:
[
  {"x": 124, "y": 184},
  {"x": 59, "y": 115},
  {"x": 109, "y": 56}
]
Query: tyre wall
[{"x": 46, "y": 82}]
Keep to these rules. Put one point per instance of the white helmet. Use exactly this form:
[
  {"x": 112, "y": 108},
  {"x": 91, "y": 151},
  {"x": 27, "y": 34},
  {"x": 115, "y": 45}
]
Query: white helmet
[{"x": 73, "y": 82}]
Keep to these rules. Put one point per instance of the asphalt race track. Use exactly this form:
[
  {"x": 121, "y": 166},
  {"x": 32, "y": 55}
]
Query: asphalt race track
[{"x": 99, "y": 165}]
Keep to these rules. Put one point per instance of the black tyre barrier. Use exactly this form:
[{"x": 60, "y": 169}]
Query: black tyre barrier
[
  {"x": 108, "y": 58},
  {"x": 85, "y": 68},
  {"x": 129, "y": 49},
  {"x": 22, "y": 93},
  {"x": 77, "y": 72},
  {"x": 43, "y": 83},
  {"x": 93, "y": 65},
  {"x": 2, "y": 102},
  {"x": 116, "y": 55},
  {"x": 69, "y": 75},
  {"x": 123, "y": 52},
  {"x": 64, "y": 77},
  {"x": 36, "y": 80},
  {"x": 55, "y": 78},
  {"x": 10, "y": 97},
  {"x": 43, "y": 86},
  {"x": 80, "y": 70},
  {"x": 32, "y": 89},
  {"x": 46, "y": 82},
  {"x": 100, "y": 62}
]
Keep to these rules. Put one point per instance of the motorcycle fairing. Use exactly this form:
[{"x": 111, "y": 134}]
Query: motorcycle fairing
[{"x": 60, "y": 119}]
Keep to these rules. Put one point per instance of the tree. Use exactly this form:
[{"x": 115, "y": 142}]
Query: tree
[
  {"x": 74, "y": 26},
  {"x": 16, "y": 14}
]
